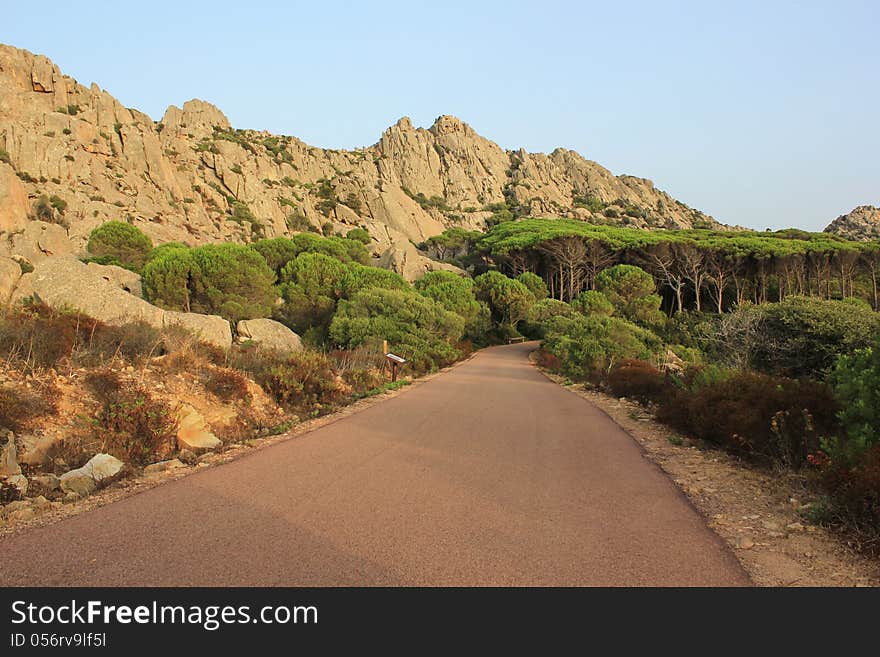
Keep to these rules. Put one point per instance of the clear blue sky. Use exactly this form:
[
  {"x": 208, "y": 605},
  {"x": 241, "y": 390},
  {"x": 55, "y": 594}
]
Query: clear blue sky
[{"x": 763, "y": 114}]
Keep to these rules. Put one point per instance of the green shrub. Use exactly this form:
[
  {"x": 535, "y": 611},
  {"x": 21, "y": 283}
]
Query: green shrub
[
  {"x": 535, "y": 284},
  {"x": 297, "y": 221},
  {"x": 47, "y": 210},
  {"x": 122, "y": 241},
  {"x": 632, "y": 293},
  {"x": 230, "y": 280},
  {"x": 856, "y": 381},
  {"x": 43, "y": 210},
  {"x": 697, "y": 378},
  {"x": 58, "y": 203},
  {"x": 311, "y": 284},
  {"x": 167, "y": 277},
  {"x": 590, "y": 202},
  {"x": 359, "y": 235},
  {"x": 304, "y": 381},
  {"x": 533, "y": 325},
  {"x": 803, "y": 336},
  {"x": 591, "y": 302},
  {"x": 457, "y": 294},
  {"x": 418, "y": 328},
  {"x": 241, "y": 213},
  {"x": 588, "y": 346},
  {"x": 509, "y": 300},
  {"x": 849, "y": 464},
  {"x": 278, "y": 251},
  {"x": 359, "y": 277}
]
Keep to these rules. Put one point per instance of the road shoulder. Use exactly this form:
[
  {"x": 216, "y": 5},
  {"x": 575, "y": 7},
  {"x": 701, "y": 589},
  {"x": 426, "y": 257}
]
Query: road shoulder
[
  {"x": 232, "y": 451},
  {"x": 757, "y": 513}
]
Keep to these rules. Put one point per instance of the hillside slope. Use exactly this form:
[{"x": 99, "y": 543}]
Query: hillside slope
[
  {"x": 861, "y": 224},
  {"x": 191, "y": 177}
]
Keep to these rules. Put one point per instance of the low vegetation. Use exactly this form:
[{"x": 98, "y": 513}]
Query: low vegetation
[{"x": 762, "y": 344}]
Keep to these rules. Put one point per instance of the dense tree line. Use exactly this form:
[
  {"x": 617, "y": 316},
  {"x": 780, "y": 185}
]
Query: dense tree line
[{"x": 697, "y": 269}]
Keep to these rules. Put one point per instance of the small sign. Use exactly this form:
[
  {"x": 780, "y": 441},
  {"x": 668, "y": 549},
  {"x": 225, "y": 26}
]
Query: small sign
[{"x": 395, "y": 358}]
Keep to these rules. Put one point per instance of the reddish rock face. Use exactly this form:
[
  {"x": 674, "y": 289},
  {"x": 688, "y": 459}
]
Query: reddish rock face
[{"x": 190, "y": 176}]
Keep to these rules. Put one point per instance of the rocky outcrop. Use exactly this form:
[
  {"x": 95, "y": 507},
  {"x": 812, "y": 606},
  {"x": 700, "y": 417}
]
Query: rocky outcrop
[
  {"x": 212, "y": 329},
  {"x": 269, "y": 334},
  {"x": 8, "y": 455},
  {"x": 106, "y": 293},
  {"x": 409, "y": 262},
  {"x": 192, "y": 433},
  {"x": 196, "y": 117},
  {"x": 100, "y": 470},
  {"x": 192, "y": 178},
  {"x": 13, "y": 201},
  {"x": 37, "y": 241},
  {"x": 862, "y": 224},
  {"x": 39, "y": 451},
  {"x": 65, "y": 282},
  {"x": 124, "y": 279}
]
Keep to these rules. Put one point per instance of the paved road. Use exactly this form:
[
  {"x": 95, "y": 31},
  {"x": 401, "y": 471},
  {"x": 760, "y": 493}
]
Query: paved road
[{"x": 486, "y": 475}]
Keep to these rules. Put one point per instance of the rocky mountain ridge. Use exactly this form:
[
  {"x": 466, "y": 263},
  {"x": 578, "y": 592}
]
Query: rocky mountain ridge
[
  {"x": 861, "y": 224},
  {"x": 75, "y": 157}
]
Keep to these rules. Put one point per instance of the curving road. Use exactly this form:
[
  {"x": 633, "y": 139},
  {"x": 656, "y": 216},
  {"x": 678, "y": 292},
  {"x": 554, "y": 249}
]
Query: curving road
[{"x": 489, "y": 474}]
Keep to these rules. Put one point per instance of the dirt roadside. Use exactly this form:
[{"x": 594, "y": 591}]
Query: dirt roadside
[
  {"x": 136, "y": 484},
  {"x": 757, "y": 513}
]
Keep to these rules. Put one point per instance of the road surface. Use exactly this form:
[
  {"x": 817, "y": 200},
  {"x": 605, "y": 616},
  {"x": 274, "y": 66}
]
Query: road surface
[{"x": 489, "y": 474}]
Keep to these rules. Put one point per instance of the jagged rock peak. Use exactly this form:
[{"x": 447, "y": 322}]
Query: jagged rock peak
[
  {"x": 180, "y": 180},
  {"x": 862, "y": 223},
  {"x": 196, "y": 116},
  {"x": 447, "y": 124}
]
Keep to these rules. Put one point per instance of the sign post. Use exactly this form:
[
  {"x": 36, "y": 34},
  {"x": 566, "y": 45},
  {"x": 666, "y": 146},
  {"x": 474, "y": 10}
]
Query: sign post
[{"x": 395, "y": 360}]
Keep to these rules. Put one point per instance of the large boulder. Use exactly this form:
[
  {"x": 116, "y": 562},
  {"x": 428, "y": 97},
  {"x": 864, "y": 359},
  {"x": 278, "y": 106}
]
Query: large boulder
[
  {"x": 38, "y": 451},
  {"x": 212, "y": 329},
  {"x": 8, "y": 456},
  {"x": 65, "y": 282},
  {"x": 78, "y": 481},
  {"x": 104, "y": 468},
  {"x": 269, "y": 334},
  {"x": 10, "y": 272},
  {"x": 99, "y": 471},
  {"x": 40, "y": 240},
  {"x": 409, "y": 262},
  {"x": 123, "y": 278},
  {"x": 192, "y": 432}
]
